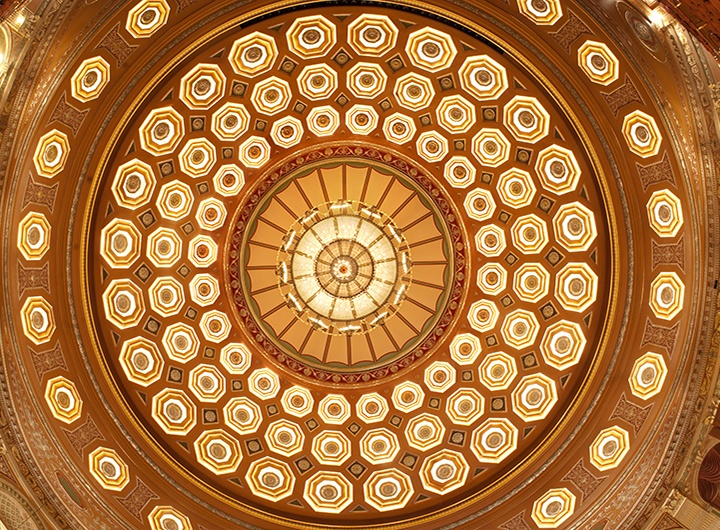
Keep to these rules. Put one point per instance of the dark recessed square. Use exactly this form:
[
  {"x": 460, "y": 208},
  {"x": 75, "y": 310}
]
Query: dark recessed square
[
  {"x": 434, "y": 403},
  {"x": 260, "y": 125},
  {"x": 457, "y": 438},
  {"x": 489, "y": 113},
  {"x": 386, "y": 104},
  {"x": 188, "y": 228},
  {"x": 147, "y": 218},
  {"x": 486, "y": 178},
  {"x": 529, "y": 360},
  {"x": 287, "y": 65},
  {"x": 396, "y": 421},
  {"x": 459, "y": 145},
  {"x": 299, "y": 107},
  {"x": 497, "y": 404},
  {"x": 143, "y": 273},
  {"x": 491, "y": 340},
  {"x": 396, "y": 63},
  {"x": 272, "y": 410},
  {"x": 311, "y": 424},
  {"x": 553, "y": 257},
  {"x": 466, "y": 375},
  {"x": 183, "y": 271},
  {"x": 446, "y": 82},
  {"x": 342, "y": 100},
  {"x": 409, "y": 460},
  {"x": 239, "y": 89},
  {"x": 227, "y": 152},
  {"x": 356, "y": 469},
  {"x": 166, "y": 168},
  {"x": 152, "y": 326},
  {"x": 175, "y": 375},
  {"x": 504, "y": 217},
  {"x": 548, "y": 311},
  {"x": 197, "y": 124},
  {"x": 426, "y": 120},
  {"x": 209, "y": 353},
  {"x": 545, "y": 204},
  {"x": 191, "y": 313},
  {"x": 523, "y": 155},
  {"x": 354, "y": 428},
  {"x": 203, "y": 188},
  {"x": 237, "y": 385},
  {"x": 304, "y": 465},
  {"x": 511, "y": 259},
  {"x": 253, "y": 446},
  {"x": 507, "y": 301},
  {"x": 341, "y": 57},
  {"x": 210, "y": 416}
]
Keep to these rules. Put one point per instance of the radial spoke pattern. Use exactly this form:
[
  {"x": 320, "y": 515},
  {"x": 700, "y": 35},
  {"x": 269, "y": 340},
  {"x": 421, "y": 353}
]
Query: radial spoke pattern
[{"x": 346, "y": 268}]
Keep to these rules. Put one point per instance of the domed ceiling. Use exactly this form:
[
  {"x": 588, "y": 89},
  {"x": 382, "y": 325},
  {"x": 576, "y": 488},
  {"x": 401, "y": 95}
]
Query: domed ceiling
[{"x": 352, "y": 266}]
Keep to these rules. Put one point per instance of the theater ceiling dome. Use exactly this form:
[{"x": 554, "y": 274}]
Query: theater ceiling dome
[{"x": 327, "y": 265}]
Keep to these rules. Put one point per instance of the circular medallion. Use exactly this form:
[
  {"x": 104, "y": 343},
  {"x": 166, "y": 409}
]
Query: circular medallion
[
  {"x": 345, "y": 308},
  {"x": 345, "y": 266}
]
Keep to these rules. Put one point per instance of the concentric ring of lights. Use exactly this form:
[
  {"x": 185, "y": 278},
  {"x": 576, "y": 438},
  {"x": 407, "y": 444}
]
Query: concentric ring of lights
[
  {"x": 493, "y": 200},
  {"x": 344, "y": 267}
]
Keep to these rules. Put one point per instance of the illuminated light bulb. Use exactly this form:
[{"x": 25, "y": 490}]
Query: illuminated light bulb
[{"x": 657, "y": 17}]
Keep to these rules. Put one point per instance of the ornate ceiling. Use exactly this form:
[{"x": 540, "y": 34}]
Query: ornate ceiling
[{"x": 354, "y": 266}]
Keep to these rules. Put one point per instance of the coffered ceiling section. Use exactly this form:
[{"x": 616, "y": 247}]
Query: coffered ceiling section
[
  {"x": 334, "y": 196},
  {"x": 341, "y": 266}
]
